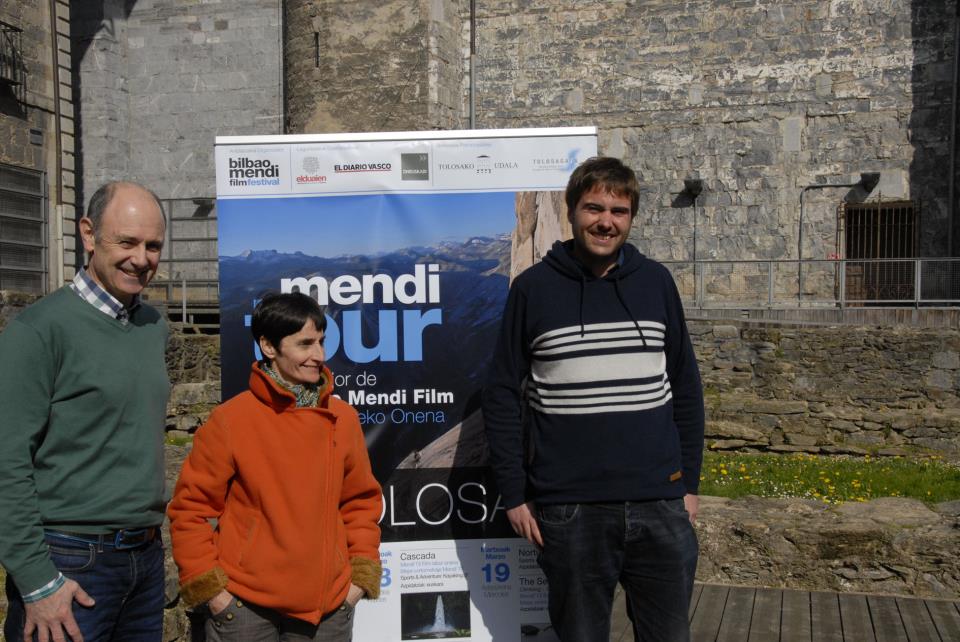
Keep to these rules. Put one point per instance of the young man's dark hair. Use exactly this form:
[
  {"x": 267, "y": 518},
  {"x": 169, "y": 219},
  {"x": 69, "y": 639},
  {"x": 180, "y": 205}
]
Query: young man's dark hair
[
  {"x": 606, "y": 172},
  {"x": 280, "y": 315}
]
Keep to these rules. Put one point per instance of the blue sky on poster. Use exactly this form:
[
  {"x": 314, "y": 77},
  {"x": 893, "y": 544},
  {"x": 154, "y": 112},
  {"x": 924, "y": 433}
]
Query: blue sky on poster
[{"x": 360, "y": 224}]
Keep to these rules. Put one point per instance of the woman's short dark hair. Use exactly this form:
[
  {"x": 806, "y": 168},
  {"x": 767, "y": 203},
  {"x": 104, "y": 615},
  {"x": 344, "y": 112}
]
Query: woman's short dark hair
[
  {"x": 280, "y": 315},
  {"x": 607, "y": 173}
]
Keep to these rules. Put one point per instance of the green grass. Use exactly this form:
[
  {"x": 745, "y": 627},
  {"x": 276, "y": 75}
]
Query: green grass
[
  {"x": 830, "y": 479},
  {"x": 178, "y": 441}
]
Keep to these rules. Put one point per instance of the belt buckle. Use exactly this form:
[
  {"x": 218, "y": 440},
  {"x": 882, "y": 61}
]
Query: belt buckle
[{"x": 130, "y": 538}]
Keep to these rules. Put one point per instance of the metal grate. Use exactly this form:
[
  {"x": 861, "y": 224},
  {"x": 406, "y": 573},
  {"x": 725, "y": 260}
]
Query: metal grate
[
  {"x": 21, "y": 281},
  {"x": 21, "y": 180},
  {"x": 23, "y": 235},
  {"x": 883, "y": 230},
  {"x": 21, "y": 205},
  {"x": 20, "y": 256},
  {"x": 13, "y": 71},
  {"x": 21, "y": 231}
]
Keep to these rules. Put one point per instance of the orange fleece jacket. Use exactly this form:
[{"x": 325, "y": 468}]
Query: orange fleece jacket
[{"x": 296, "y": 502}]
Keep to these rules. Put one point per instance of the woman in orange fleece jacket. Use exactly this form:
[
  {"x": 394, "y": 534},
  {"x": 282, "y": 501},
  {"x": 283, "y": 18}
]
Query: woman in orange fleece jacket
[{"x": 284, "y": 470}]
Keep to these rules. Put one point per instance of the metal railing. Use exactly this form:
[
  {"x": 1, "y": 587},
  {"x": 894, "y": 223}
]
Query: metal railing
[
  {"x": 818, "y": 283},
  {"x": 187, "y": 281}
]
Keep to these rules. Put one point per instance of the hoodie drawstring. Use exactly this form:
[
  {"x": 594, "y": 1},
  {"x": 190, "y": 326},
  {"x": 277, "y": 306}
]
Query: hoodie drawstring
[
  {"x": 616, "y": 287},
  {"x": 583, "y": 282}
]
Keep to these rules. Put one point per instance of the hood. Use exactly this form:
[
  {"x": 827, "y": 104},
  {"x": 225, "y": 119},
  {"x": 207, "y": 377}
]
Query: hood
[
  {"x": 266, "y": 390},
  {"x": 560, "y": 258}
]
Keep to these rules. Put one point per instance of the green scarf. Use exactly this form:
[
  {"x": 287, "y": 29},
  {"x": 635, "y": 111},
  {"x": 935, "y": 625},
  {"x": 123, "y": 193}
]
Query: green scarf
[{"x": 307, "y": 394}]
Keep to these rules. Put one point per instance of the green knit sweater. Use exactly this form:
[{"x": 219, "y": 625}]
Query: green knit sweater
[{"x": 82, "y": 409}]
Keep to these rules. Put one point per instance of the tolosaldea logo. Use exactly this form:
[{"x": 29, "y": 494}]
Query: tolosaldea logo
[{"x": 249, "y": 172}]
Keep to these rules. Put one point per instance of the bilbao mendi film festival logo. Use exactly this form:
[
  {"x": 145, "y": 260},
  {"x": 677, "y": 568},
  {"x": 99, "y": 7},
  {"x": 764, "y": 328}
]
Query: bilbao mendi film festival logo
[
  {"x": 415, "y": 167},
  {"x": 252, "y": 172}
]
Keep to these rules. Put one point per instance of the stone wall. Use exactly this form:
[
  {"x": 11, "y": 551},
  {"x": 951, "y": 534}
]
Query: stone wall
[
  {"x": 193, "y": 364},
  {"x": 159, "y": 80},
  {"x": 889, "y": 545},
  {"x": 12, "y": 304},
  {"x": 37, "y": 124},
  {"x": 372, "y": 65},
  {"x": 841, "y": 389},
  {"x": 758, "y": 99},
  {"x": 820, "y": 389}
]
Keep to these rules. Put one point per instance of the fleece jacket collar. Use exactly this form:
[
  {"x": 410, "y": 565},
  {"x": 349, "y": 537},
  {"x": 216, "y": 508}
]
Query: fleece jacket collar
[{"x": 269, "y": 392}]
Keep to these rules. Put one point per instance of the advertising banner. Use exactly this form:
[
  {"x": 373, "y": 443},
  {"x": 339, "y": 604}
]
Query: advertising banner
[{"x": 409, "y": 240}]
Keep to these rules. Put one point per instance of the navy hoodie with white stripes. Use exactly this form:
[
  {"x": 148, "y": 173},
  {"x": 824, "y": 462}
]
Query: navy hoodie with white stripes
[{"x": 594, "y": 393}]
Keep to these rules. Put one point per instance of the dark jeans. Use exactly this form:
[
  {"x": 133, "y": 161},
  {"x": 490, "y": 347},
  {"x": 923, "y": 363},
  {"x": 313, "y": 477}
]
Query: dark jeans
[
  {"x": 648, "y": 547},
  {"x": 126, "y": 584},
  {"x": 241, "y": 621}
]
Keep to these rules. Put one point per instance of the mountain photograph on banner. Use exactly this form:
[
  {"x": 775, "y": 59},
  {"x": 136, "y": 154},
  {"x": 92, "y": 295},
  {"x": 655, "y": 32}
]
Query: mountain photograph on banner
[{"x": 413, "y": 287}]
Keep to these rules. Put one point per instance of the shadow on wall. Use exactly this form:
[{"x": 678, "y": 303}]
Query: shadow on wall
[
  {"x": 932, "y": 83},
  {"x": 91, "y": 21}
]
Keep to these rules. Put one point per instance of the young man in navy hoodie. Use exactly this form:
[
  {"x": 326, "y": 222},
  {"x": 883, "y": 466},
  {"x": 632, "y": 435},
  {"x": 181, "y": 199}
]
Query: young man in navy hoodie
[{"x": 594, "y": 417}]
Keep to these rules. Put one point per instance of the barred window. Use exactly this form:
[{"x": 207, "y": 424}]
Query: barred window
[
  {"x": 873, "y": 236},
  {"x": 23, "y": 263}
]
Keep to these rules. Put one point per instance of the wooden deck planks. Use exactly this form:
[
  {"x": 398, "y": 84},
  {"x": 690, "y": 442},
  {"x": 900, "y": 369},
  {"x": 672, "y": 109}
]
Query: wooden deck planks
[
  {"x": 855, "y": 618},
  {"x": 825, "y": 617},
  {"x": 946, "y": 618},
  {"x": 705, "y": 624},
  {"x": 765, "y": 622},
  {"x": 885, "y": 614},
  {"x": 916, "y": 620},
  {"x": 795, "y": 617},
  {"x": 694, "y": 599},
  {"x": 621, "y": 630},
  {"x": 743, "y": 614},
  {"x": 735, "y": 621}
]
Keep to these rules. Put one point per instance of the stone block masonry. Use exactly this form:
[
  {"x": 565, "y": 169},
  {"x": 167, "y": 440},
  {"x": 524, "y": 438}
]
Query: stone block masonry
[
  {"x": 820, "y": 389},
  {"x": 840, "y": 389},
  {"x": 758, "y": 99},
  {"x": 160, "y": 80},
  {"x": 37, "y": 127}
]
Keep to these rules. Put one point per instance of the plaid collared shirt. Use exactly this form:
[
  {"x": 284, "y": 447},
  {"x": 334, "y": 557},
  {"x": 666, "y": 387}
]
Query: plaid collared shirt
[{"x": 92, "y": 293}]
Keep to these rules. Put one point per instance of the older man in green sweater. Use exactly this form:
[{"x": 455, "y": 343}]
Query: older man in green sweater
[{"x": 83, "y": 389}]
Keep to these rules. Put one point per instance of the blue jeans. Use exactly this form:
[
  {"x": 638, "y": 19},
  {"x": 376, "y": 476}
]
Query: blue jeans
[
  {"x": 649, "y": 547},
  {"x": 126, "y": 584}
]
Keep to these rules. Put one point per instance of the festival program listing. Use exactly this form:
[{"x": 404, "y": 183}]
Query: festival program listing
[
  {"x": 532, "y": 597},
  {"x": 442, "y": 589}
]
